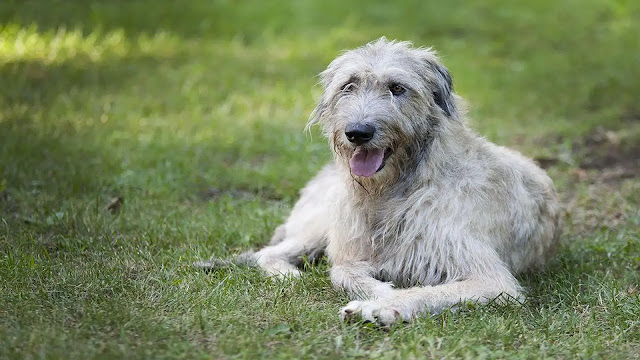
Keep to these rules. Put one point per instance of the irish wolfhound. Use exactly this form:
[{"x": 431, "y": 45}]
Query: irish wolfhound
[{"x": 416, "y": 213}]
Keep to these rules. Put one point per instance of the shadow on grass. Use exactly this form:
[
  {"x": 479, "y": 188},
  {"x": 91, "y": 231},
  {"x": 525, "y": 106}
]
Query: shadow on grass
[
  {"x": 224, "y": 19},
  {"x": 41, "y": 139},
  {"x": 133, "y": 17}
]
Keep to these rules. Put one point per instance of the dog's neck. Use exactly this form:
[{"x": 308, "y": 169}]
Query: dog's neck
[{"x": 453, "y": 145}]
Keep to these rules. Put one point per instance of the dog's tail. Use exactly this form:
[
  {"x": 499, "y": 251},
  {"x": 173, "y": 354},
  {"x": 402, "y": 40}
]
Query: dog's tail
[{"x": 245, "y": 259}]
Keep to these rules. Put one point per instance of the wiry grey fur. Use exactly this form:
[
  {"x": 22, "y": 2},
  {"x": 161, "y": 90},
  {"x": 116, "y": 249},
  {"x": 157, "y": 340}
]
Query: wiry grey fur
[{"x": 450, "y": 217}]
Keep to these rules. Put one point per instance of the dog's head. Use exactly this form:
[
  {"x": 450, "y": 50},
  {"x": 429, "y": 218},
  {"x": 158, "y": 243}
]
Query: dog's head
[{"x": 381, "y": 105}]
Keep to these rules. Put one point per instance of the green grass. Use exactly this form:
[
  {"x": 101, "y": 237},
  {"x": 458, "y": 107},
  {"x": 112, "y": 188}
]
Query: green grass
[{"x": 193, "y": 113}]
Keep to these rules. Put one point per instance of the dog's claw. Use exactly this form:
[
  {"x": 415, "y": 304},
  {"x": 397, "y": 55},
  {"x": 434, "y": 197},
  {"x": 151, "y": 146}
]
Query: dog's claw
[
  {"x": 370, "y": 311},
  {"x": 349, "y": 310}
]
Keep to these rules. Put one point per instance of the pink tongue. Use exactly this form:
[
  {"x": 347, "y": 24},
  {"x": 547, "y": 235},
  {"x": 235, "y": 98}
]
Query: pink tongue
[{"x": 366, "y": 162}]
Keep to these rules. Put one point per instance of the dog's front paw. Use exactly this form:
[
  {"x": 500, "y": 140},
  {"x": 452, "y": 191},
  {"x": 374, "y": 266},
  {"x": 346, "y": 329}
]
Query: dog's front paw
[{"x": 373, "y": 311}]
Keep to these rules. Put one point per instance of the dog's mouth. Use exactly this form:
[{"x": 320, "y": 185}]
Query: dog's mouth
[{"x": 367, "y": 162}]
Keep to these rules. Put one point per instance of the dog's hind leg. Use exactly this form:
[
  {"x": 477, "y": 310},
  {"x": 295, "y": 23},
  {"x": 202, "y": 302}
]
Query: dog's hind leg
[
  {"x": 278, "y": 234},
  {"x": 282, "y": 259},
  {"x": 303, "y": 235}
]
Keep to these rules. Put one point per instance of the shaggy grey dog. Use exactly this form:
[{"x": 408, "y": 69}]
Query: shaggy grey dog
[{"x": 416, "y": 213}]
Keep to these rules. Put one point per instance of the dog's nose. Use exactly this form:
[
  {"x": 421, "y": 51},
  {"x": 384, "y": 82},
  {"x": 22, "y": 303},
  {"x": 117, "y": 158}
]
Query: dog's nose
[{"x": 359, "y": 133}]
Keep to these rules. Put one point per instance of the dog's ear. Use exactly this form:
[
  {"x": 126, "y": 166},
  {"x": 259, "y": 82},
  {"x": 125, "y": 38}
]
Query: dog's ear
[
  {"x": 440, "y": 79},
  {"x": 323, "y": 103},
  {"x": 318, "y": 112},
  {"x": 443, "y": 95}
]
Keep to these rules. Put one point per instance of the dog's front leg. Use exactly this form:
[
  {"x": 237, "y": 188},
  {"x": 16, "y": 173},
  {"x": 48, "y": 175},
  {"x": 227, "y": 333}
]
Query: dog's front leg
[
  {"x": 408, "y": 303},
  {"x": 356, "y": 278}
]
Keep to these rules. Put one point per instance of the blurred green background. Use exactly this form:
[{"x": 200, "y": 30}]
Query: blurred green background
[{"x": 190, "y": 114}]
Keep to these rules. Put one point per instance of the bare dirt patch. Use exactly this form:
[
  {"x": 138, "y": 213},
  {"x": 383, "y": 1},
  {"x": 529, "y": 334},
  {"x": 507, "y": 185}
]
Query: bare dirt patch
[
  {"x": 604, "y": 188},
  {"x": 605, "y": 151},
  {"x": 213, "y": 194}
]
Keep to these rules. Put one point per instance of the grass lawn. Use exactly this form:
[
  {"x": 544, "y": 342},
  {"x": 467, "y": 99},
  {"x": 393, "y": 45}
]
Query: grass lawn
[{"x": 192, "y": 114}]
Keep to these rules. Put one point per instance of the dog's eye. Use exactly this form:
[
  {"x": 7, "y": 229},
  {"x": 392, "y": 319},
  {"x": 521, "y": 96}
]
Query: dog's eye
[
  {"x": 397, "y": 89},
  {"x": 347, "y": 87}
]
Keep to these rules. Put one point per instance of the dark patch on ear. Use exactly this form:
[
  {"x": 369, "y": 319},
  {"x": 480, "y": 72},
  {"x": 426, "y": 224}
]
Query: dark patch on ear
[{"x": 443, "y": 96}]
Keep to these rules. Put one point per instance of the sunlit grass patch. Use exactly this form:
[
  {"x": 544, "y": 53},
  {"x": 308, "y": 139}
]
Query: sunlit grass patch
[{"x": 18, "y": 43}]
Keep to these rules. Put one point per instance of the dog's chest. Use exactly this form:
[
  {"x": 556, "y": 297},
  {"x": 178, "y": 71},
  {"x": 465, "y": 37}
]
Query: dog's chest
[
  {"x": 407, "y": 247},
  {"x": 413, "y": 262},
  {"x": 401, "y": 236}
]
